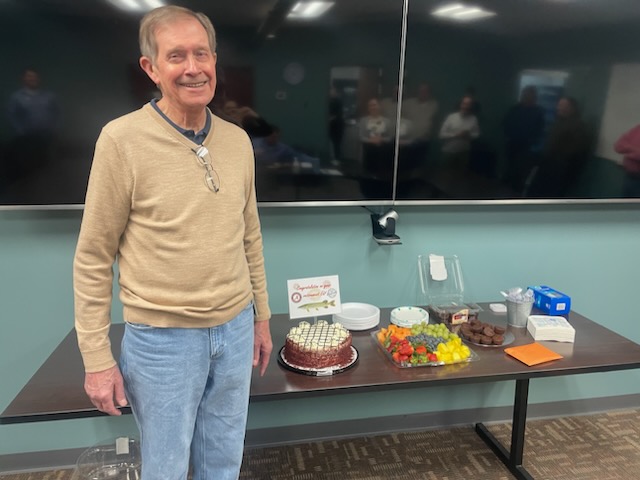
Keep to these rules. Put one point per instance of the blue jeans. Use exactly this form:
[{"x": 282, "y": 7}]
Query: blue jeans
[{"x": 189, "y": 392}]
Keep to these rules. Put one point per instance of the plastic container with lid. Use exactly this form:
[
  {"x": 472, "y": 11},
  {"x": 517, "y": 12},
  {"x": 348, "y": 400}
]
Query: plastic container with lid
[
  {"x": 442, "y": 288},
  {"x": 116, "y": 460}
]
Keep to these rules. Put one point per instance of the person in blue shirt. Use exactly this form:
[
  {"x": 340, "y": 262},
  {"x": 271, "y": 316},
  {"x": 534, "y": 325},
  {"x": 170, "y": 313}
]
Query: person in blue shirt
[
  {"x": 271, "y": 152},
  {"x": 31, "y": 110},
  {"x": 34, "y": 116}
]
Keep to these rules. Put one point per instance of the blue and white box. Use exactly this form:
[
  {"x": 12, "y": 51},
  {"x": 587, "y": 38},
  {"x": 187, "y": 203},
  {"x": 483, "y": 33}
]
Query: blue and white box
[{"x": 550, "y": 300}]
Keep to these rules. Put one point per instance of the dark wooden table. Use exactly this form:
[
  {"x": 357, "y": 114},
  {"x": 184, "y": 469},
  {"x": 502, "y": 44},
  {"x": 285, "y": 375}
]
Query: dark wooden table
[{"x": 56, "y": 390}]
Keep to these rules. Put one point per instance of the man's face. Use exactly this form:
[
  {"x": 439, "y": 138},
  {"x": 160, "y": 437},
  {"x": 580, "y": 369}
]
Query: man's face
[
  {"x": 185, "y": 67},
  {"x": 465, "y": 105},
  {"x": 374, "y": 107},
  {"x": 230, "y": 108},
  {"x": 273, "y": 138},
  {"x": 424, "y": 93},
  {"x": 31, "y": 80},
  {"x": 564, "y": 108},
  {"x": 529, "y": 97}
]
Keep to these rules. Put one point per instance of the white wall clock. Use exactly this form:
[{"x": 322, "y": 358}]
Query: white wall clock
[{"x": 293, "y": 73}]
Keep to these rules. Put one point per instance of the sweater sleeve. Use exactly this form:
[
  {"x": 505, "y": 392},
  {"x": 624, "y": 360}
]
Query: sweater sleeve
[
  {"x": 253, "y": 244},
  {"x": 105, "y": 216}
]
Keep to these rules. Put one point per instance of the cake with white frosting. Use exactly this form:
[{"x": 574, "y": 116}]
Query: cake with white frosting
[{"x": 321, "y": 345}]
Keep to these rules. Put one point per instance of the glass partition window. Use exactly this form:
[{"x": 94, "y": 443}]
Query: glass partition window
[
  {"x": 506, "y": 100},
  {"x": 300, "y": 87},
  {"x": 532, "y": 100}
]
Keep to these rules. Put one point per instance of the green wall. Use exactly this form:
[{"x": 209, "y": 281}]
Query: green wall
[{"x": 589, "y": 252}]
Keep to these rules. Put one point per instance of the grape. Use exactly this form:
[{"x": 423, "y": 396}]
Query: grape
[{"x": 429, "y": 341}]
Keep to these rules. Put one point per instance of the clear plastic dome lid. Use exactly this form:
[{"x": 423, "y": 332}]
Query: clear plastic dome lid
[{"x": 117, "y": 459}]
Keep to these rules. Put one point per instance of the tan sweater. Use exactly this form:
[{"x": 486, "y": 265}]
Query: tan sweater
[{"x": 187, "y": 256}]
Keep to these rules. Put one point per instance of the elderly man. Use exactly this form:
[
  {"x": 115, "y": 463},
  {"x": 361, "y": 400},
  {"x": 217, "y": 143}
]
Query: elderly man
[{"x": 171, "y": 195}]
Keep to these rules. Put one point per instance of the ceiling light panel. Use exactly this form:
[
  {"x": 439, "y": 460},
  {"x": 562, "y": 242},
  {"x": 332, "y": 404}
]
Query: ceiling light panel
[
  {"x": 461, "y": 12},
  {"x": 309, "y": 10},
  {"x": 137, "y": 5}
]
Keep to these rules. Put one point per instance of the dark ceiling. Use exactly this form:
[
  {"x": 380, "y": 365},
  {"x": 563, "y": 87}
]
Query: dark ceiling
[{"x": 513, "y": 16}]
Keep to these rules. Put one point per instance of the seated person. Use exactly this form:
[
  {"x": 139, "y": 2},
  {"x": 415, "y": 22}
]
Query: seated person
[
  {"x": 271, "y": 152},
  {"x": 247, "y": 118}
]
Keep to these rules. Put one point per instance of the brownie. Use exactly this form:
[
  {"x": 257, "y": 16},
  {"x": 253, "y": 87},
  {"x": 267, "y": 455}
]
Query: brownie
[
  {"x": 485, "y": 340},
  {"x": 488, "y": 331}
]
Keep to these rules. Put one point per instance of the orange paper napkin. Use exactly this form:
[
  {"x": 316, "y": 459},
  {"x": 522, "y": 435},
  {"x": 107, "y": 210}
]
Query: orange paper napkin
[{"x": 532, "y": 354}]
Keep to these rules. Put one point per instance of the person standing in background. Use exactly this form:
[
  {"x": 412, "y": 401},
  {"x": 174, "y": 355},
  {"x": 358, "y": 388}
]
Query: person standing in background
[
  {"x": 457, "y": 132},
  {"x": 336, "y": 123},
  {"x": 523, "y": 128},
  {"x": 389, "y": 105},
  {"x": 476, "y": 106},
  {"x": 628, "y": 145},
  {"x": 376, "y": 135},
  {"x": 171, "y": 196},
  {"x": 565, "y": 153},
  {"x": 34, "y": 115},
  {"x": 421, "y": 111},
  {"x": 32, "y": 110}
]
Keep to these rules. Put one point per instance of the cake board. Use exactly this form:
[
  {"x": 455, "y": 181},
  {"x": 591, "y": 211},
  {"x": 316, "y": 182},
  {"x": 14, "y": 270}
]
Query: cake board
[{"x": 319, "y": 372}]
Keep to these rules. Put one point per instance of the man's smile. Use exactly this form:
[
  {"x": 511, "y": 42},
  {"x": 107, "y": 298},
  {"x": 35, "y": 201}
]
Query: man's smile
[{"x": 194, "y": 85}]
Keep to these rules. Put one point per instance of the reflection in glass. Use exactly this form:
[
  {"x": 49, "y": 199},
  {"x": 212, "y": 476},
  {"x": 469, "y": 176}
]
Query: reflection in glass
[
  {"x": 274, "y": 73},
  {"x": 33, "y": 114},
  {"x": 565, "y": 154},
  {"x": 628, "y": 145},
  {"x": 552, "y": 85},
  {"x": 302, "y": 91}
]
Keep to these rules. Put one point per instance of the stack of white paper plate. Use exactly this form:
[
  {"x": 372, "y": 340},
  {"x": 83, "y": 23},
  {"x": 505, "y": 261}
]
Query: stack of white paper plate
[
  {"x": 408, "y": 316},
  {"x": 358, "y": 316}
]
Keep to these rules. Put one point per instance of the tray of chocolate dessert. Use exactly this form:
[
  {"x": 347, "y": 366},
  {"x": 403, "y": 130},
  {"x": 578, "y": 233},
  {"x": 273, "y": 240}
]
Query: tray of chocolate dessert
[
  {"x": 318, "y": 349},
  {"x": 485, "y": 334}
]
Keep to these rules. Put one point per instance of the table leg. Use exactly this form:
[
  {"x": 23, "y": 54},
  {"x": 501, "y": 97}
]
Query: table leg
[{"x": 512, "y": 459}]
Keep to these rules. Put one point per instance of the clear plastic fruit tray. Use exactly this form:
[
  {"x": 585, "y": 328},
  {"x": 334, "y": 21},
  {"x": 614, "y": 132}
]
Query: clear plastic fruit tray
[{"x": 374, "y": 336}]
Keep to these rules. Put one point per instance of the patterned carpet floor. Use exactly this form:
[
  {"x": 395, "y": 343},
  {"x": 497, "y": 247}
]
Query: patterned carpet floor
[{"x": 603, "y": 446}]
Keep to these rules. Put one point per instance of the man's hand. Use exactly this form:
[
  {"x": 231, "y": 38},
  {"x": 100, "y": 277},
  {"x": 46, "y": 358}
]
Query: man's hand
[
  {"x": 104, "y": 387},
  {"x": 262, "y": 345}
]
